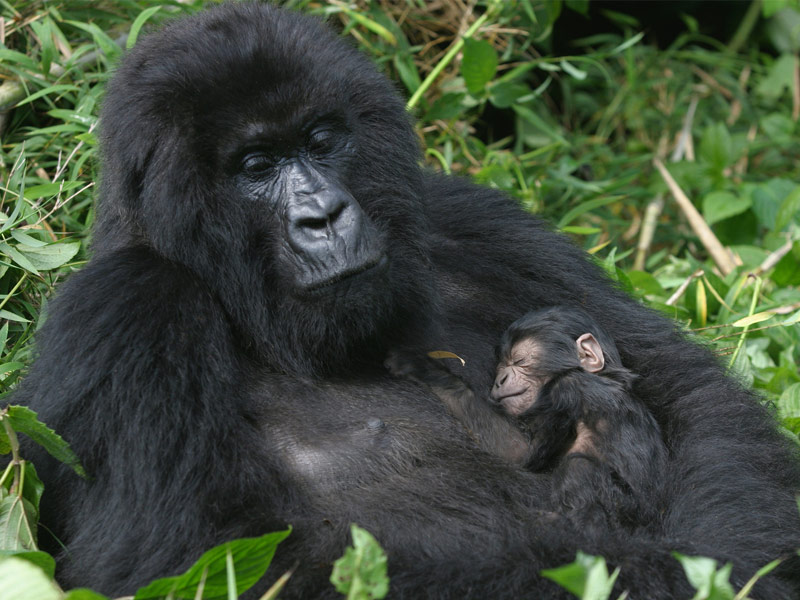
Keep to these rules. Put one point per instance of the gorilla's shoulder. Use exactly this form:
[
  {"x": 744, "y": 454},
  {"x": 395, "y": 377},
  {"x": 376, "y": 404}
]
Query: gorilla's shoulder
[{"x": 131, "y": 299}]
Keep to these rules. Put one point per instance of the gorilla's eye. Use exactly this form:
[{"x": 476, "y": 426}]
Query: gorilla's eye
[
  {"x": 257, "y": 163},
  {"x": 322, "y": 141}
]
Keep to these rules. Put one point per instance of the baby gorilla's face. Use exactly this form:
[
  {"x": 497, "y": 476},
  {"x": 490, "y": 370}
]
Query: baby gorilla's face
[{"x": 518, "y": 380}]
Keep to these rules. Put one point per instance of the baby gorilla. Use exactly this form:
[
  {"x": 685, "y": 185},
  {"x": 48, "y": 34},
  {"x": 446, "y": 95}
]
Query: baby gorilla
[{"x": 562, "y": 402}]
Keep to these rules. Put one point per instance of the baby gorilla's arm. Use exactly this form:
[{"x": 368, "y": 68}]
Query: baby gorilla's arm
[{"x": 496, "y": 433}]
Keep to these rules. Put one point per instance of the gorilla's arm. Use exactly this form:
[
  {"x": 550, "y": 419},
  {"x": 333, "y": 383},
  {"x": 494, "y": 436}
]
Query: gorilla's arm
[
  {"x": 138, "y": 373},
  {"x": 495, "y": 432}
]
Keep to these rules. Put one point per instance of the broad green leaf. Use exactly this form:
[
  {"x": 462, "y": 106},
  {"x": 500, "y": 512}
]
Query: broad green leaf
[
  {"x": 26, "y": 240},
  {"x": 447, "y": 107},
  {"x": 140, "y": 20},
  {"x": 753, "y": 319},
  {"x": 72, "y": 116},
  {"x": 718, "y": 206},
  {"x": 19, "y": 258},
  {"x": 250, "y": 556},
  {"x": 587, "y": 577},
  {"x": 41, "y": 559},
  {"x": 789, "y": 402},
  {"x": 22, "y": 580},
  {"x": 47, "y": 190},
  {"x": 538, "y": 122},
  {"x": 478, "y": 65},
  {"x": 84, "y": 594},
  {"x": 783, "y": 30},
  {"x": 645, "y": 283},
  {"x": 506, "y": 93},
  {"x": 361, "y": 572},
  {"x": 778, "y": 127},
  {"x": 789, "y": 210},
  {"x": 24, "y": 420},
  {"x": 18, "y": 520},
  {"x": 779, "y": 79},
  {"x": 51, "y": 256},
  {"x": 715, "y": 146},
  {"x": 702, "y": 573},
  {"x": 8, "y": 315}
]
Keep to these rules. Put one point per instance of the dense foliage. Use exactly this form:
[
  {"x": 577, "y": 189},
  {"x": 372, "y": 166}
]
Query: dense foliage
[{"x": 674, "y": 164}]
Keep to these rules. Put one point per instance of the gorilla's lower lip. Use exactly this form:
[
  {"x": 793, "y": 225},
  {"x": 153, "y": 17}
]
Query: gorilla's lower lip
[
  {"x": 379, "y": 263},
  {"x": 510, "y": 395}
]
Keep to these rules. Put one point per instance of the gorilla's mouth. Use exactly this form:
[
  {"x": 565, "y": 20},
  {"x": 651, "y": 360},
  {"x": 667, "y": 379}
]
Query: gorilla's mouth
[{"x": 371, "y": 266}]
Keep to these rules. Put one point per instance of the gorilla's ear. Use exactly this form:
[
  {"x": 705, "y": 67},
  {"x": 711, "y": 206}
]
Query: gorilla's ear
[{"x": 590, "y": 353}]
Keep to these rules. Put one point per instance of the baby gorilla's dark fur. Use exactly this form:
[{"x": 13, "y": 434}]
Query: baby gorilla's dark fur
[{"x": 569, "y": 410}]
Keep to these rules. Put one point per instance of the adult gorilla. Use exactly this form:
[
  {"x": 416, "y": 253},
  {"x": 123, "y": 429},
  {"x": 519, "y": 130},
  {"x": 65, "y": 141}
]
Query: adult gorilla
[{"x": 265, "y": 235}]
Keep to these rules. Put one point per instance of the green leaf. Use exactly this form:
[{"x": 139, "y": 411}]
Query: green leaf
[
  {"x": 48, "y": 190},
  {"x": 478, "y": 65},
  {"x": 783, "y": 31},
  {"x": 18, "y": 519},
  {"x": 24, "y": 420},
  {"x": 27, "y": 240},
  {"x": 18, "y": 257},
  {"x": 361, "y": 572},
  {"x": 645, "y": 283},
  {"x": 702, "y": 573},
  {"x": 41, "y": 559},
  {"x": 718, "y": 206},
  {"x": 448, "y": 106},
  {"x": 587, "y": 577},
  {"x": 753, "y": 319},
  {"x": 52, "y": 89},
  {"x": 715, "y": 146},
  {"x": 579, "y": 6},
  {"x": 140, "y": 20},
  {"x": 572, "y": 70},
  {"x": 789, "y": 402},
  {"x": 51, "y": 256},
  {"x": 21, "y": 580},
  {"x": 779, "y": 128},
  {"x": 84, "y": 594},
  {"x": 251, "y": 557},
  {"x": 789, "y": 210},
  {"x": 504, "y": 94},
  {"x": 779, "y": 79}
]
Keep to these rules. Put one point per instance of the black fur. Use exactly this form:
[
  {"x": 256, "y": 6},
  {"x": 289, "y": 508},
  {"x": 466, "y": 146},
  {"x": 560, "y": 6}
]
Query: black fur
[
  {"x": 616, "y": 474},
  {"x": 611, "y": 474},
  {"x": 209, "y": 401}
]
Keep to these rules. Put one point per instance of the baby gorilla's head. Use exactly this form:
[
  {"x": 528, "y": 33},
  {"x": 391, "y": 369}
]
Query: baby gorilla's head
[{"x": 543, "y": 344}]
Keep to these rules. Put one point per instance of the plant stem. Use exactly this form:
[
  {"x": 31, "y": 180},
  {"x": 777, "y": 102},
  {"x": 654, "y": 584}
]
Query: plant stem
[
  {"x": 14, "y": 443},
  {"x": 753, "y": 302},
  {"x": 446, "y": 59}
]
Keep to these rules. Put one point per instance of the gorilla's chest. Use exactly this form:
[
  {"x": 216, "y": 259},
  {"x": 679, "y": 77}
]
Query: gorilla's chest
[{"x": 334, "y": 436}]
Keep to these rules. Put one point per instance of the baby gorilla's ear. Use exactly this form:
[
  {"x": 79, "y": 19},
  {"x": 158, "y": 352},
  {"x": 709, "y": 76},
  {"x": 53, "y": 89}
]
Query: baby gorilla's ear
[{"x": 590, "y": 353}]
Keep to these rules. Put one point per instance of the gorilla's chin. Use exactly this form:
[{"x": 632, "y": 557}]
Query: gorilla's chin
[{"x": 312, "y": 285}]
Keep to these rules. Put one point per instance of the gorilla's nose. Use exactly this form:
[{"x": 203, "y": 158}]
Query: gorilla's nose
[{"x": 323, "y": 222}]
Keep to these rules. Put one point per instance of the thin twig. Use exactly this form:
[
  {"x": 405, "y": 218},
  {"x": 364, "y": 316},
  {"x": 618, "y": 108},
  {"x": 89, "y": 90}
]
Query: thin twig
[{"x": 718, "y": 253}]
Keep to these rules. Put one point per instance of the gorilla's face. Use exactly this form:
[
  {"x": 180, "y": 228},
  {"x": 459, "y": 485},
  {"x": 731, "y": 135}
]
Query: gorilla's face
[
  {"x": 290, "y": 185},
  {"x": 321, "y": 241}
]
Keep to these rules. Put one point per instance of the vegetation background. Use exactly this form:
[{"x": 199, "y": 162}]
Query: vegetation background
[{"x": 661, "y": 136}]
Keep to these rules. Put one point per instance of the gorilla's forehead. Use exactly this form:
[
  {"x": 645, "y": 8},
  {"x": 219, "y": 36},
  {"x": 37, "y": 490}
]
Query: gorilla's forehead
[{"x": 245, "y": 56}]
